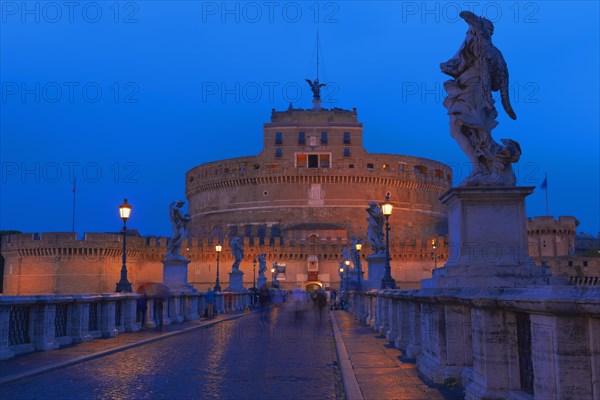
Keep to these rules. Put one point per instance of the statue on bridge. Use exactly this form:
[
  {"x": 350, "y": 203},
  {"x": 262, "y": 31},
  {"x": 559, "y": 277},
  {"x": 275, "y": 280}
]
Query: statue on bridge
[
  {"x": 237, "y": 251},
  {"x": 479, "y": 69},
  {"x": 179, "y": 221},
  {"x": 375, "y": 228}
]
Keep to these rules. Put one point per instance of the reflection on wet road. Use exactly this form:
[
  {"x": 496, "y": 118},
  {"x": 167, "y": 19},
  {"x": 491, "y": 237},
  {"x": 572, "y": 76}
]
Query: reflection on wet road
[{"x": 280, "y": 358}]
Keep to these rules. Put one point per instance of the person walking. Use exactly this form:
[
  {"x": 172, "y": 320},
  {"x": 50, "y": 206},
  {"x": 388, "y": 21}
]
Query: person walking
[
  {"x": 320, "y": 302},
  {"x": 211, "y": 298},
  {"x": 264, "y": 299}
]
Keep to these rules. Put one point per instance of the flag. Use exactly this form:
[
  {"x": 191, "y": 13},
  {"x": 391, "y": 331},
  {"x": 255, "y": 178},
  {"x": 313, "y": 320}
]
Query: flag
[{"x": 544, "y": 184}]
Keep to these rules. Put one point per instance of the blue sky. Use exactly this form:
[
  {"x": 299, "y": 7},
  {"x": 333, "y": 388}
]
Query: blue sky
[{"x": 128, "y": 96}]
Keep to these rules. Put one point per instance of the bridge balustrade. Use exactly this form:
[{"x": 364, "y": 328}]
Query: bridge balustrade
[{"x": 41, "y": 323}]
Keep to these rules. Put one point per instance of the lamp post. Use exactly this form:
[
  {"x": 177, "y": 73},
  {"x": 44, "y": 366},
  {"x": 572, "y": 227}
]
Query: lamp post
[
  {"x": 341, "y": 279},
  {"x": 218, "y": 249},
  {"x": 434, "y": 246},
  {"x": 387, "y": 282},
  {"x": 358, "y": 247},
  {"x": 273, "y": 277},
  {"x": 347, "y": 262},
  {"x": 254, "y": 273},
  {"x": 124, "y": 285}
]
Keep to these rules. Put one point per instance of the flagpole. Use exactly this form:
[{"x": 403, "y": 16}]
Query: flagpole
[
  {"x": 74, "y": 194},
  {"x": 546, "y": 181}
]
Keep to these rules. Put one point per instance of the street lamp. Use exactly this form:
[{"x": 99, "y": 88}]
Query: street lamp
[
  {"x": 273, "y": 277},
  {"x": 347, "y": 262},
  {"x": 434, "y": 246},
  {"x": 218, "y": 249},
  {"x": 387, "y": 282},
  {"x": 358, "y": 247},
  {"x": 254, "y": 273},
  {"x": 125, "y": 212},
  {"x": 341, "y": 279}
]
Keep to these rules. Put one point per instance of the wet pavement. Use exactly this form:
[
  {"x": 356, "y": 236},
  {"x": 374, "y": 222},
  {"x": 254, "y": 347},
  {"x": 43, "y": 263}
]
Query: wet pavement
[
  {"x": 379, "y": 373},
  {"x": 251, "y": 357}
]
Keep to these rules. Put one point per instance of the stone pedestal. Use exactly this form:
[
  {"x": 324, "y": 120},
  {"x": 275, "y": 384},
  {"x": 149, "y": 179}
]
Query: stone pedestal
[
  {"x": 261, "y": 281},
  {"x": 488, "y": 240},
  {"x": 236, "y": 281},
  {"x": 376, "y": 271},
  {"x": 175, "y": 275}
]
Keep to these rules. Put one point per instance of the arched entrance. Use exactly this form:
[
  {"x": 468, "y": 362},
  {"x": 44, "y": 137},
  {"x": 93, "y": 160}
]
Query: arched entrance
[{"x": 311, "y": 286}]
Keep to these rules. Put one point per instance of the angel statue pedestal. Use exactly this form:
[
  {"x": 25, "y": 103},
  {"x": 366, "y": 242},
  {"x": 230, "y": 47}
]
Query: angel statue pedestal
[
  {"x": 488, "y": 241},
  {"x": 236, "y": 281},
  {"x": 175, "y": 274},
  {"x": 376, "y": 263},
  {"x": 261, "y": 281}
]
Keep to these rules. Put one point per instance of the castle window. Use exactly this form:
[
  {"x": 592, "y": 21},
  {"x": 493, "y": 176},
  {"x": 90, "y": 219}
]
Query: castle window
[
  {"x": 313, "y": 160},
  {"x": 301, "y": 160},
  {"x": 301, "y": 138},
  {"x": 278, "y": 152},
  {"x": 323, "y": 137},
  {"x": 346, "y": 137},
  {"x": 401, "y": 166},
  {"x": 439, "y": 173},
  {"x": 369, "y": 166},
  {"x": 346, "y": 152},
  {"x": 350, "y": 165},
  {"x": 419, "y": 169},
  {"x": 278, "y": 138}
]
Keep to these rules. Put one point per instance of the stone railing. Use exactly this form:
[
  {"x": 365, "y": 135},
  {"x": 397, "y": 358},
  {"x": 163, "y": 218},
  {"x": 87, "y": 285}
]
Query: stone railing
[
  {"x": 537, "y": 343},
  {"x": 40, "y": 323}
]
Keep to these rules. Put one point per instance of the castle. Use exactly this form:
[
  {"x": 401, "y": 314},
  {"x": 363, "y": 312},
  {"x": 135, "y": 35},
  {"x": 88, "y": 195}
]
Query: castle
[{"x": 301, "y": 200}]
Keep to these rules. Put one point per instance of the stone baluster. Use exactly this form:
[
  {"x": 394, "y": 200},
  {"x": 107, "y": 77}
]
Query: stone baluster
[
  {"x": 129, "y": 310},
  {"x": 80, "y": 319},
  {"x": 43, "y": 330},
  {"x": 393, "y": 317},
  {"x": 413, "y": 348},
  {"x": 106, "y": 324},
  {"x": 5, "y": 351}
]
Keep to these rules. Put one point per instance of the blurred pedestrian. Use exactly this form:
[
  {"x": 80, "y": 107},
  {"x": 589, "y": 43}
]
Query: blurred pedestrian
[
  {"x": 320, "y": 302},
  {"x": 211, "y": 298},
  {"x": 159, "y": 306},
  {"x": 264, "y": 300},
  {"x": 142, "y": 307}
]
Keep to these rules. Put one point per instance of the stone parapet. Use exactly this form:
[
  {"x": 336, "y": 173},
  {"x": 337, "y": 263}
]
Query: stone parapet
[
  {"x": 41, "y": 323},
  {"x": 526, "y": 343}
]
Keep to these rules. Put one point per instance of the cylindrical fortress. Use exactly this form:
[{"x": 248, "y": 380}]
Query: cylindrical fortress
[{"x": 314, "y": 174}]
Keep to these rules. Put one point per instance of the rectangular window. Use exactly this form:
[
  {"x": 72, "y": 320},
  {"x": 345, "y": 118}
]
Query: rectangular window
[
  {"x": 346, "y": 137},
  {"x": 324, "y": 160},
  {"x": 402, "y": 167},
  {"x": 278, "y": 138},
  {"x": 323, "y": 137},
  {"x": 301, "y": 160},
  {"x": 346, "y": 152},
  {"x": 313, "y": 161},
  {"x": 278, "y": 152},
  {"x": 301, "y": 138}
]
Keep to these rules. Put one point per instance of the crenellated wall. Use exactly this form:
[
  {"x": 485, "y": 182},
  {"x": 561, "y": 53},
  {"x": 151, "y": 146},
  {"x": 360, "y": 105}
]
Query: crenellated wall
[
  {"x": 549, "y": 237},
  {"x": 58, "y": 263}
]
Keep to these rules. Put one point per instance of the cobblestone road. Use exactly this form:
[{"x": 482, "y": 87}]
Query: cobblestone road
[{"x": 240, "y": 359}]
